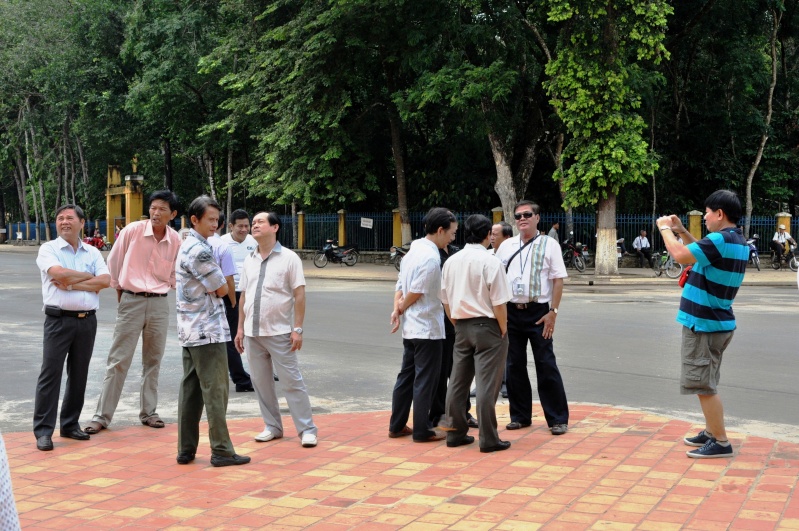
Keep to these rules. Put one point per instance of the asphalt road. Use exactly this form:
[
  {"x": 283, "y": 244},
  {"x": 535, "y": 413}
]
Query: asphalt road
[{"x": 616, "y": 345}]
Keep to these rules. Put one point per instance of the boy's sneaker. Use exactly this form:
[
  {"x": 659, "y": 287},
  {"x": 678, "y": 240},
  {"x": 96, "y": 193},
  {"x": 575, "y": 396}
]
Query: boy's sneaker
[
  {"x": 710, "y": 450},
  {"x": 699, "y": 440}
]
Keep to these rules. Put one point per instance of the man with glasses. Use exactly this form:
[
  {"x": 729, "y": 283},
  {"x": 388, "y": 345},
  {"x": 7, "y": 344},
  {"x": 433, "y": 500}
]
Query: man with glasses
[{"x": 535, "y": 273}]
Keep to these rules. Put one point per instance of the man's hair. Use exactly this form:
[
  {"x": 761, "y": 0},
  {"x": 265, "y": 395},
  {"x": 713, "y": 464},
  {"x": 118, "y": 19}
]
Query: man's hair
[
  {"x": 198, "y": 207},
  {"x": 556, "y": 223},
  {"x": 507, "y": 229},
  {"x": 436, "y": 218},
  {"x": 526, "y": 202},
  {"x": 477, "y": 228},
  {"x": 237, "y": 215},
  {"x": 727, "y": 202},
  {"x": 165, "y": 195},
  {"x": 272, "y": 218},
  {"x": 78, "y": 210}
]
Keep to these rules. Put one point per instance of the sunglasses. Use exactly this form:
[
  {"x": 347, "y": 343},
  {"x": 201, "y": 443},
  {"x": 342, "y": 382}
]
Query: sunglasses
[{"x": 526, "y": 215}]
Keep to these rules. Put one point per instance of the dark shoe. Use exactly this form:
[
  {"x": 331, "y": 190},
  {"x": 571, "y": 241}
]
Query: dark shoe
[
  {"x": 699, "y": 440},
  {"x": 433, "y": 438},
  {"x": 517, "y": 426},
  {"x": 502, "y": 445},
  {"x": 559, "y": 429},
  {"x": 404, "y": 432},
  {"x": 467, "y": 439},
  {"x": 504, "y": 392},
  {"x": 185, "y": 458},
  {"x": 472, "y": 422},
  {"x": 229, "y": 460},
  {"x": 77, "y": 434},
  {"x": 44, "y": 443},
  {"x": 245, "y": 389},
  {"x": 93, "y": 428},
  {"x": 275, "y": 377},
  {"x": 710, "y": 450}
]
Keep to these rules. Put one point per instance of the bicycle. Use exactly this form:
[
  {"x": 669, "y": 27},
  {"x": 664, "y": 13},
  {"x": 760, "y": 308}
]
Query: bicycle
[{"x": 665, "y": 262}]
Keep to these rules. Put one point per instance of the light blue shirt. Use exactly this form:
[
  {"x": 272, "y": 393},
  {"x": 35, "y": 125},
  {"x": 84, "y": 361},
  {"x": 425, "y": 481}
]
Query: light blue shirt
[
  {"x": 86, "y": 259},
  {"x": 420, "y": 272},
  {"x": 240, "y": 251}
]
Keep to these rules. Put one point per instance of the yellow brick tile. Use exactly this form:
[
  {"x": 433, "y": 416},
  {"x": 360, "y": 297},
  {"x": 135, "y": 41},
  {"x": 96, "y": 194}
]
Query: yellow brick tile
[
  {"x": 400, "y": 472},
  {"x": 183, "y": 512},
  {"x": 101, "y": 482},
  {"x": 388, "y": 459},
  {"x": 614, "y": 526},
  {"x": 471, "y": 525},
  {"x": 636, "y": 508},
  {"x": 321, "y": 473},
  {"x": 88, "y": 513},
  {"x": 484, "y": 493},
  {"x": 29, "y": 469},
  {"x": 25, "y": 506},
  {"x": 759, "y": 515},
  {"x": 439, "y": 518},
  {"x": 423, "y": 526},
  {"x": 414, "y": 466},
  {"x": 789, "y": 523},
  {"x": 297, "y": 503},
  {"x": 632, "y": 468},
  {"x": 394, "y": 518},
  {"x": 516, "y": 525},
  {"x": 526, "y": 491},
  {"x": 527, "y": 464},
  {"x": 672, "y": 476},
  {"x": 134, "y": 512},
  {"x": 412, "y": 485},
  {"x": 67, "y": 506},
  {"x": 248, "y": 503},
  {"x": 702, "y": 483},
  {"x": 421, "y": 499},
  {"x": 453, "y": 508}
]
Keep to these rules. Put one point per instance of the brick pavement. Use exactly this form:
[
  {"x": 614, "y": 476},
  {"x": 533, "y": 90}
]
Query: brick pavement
[{"x": 615, "y": 469}]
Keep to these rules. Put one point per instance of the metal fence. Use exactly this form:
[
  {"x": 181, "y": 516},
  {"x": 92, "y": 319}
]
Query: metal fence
[{"x": 29, "y": 230}]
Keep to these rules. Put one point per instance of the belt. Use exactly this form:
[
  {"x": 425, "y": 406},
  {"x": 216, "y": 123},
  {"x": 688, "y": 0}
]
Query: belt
[
  {"x": 54, "y": 311},
  {"x": 525, "y": 305},
  {"x": 144, "y": 293}
]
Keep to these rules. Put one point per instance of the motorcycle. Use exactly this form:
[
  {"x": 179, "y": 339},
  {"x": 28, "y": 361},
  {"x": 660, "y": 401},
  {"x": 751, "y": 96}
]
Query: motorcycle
[
  {"x": 754, "y": 256},
  {"x": 573, "y": 254},
  {"x": 331, "y": 252},
  {"x": 790, "y": 258},
  {"x": 350, "y": 249},
  {"x": 397, "y": 253},
  {"x": 98, "y": 241}
]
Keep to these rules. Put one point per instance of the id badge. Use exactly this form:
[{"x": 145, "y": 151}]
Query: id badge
[{"x": 518, "y": 287}]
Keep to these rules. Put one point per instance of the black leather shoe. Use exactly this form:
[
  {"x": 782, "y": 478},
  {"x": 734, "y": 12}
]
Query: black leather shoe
[
  {"x": 185, "y": 458},
  {"x": 245, "y": 389},
  {"x": 517, "y": 425},
  {"x": 77, "y": 434},
  {"x": 502, "y": 445},
  {"x": 472, "y": 422},
  {"x": 467, "y": 439},
  {"x": 44, "y": 443},
  {"x": 229, "y": 460}
]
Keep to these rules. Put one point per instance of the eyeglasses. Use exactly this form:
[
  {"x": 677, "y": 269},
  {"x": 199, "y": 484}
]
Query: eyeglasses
[{"x": 527, "y": 215}]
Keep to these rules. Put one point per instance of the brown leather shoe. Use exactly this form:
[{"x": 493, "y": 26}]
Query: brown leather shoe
[
  {"x": 404, "y": 432},
  {"x": 433, "y": 438}
]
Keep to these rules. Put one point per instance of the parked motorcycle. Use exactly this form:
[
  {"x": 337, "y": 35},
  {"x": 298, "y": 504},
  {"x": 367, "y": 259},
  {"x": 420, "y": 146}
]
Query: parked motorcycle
[
  {"x": 397, "y": 253},
  {"x": 754, "y": 256},
  {"x": 790, "y": 259},
  {"x": 573, "y": 253},
  {"x": 331, "y": 252},
  {"x": 349, "y": 249},
  {"x": 98, "y": 241}
]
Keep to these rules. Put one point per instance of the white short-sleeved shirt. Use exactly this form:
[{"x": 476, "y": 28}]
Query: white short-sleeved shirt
[
  {"x": 420, "y": 272},
  {"x": 223, "y": 256},
  {"x": 87, "y": 259},
  {"x": 240, "y": 251},
  {"x": 519, "y": 270},
  {"x": 269, "y": 286},
  {"x": 473, "y": 282}
]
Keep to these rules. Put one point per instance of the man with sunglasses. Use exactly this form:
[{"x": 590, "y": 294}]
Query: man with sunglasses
[{"x": 535, "y": 272}]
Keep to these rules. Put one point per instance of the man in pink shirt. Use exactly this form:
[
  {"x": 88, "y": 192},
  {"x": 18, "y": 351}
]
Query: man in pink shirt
[{"x": 142, "y": 267}]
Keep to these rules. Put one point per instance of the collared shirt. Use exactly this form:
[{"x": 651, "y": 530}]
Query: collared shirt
[
  {"x": 87, "y": 259},
  {"x": 553, "y": 234},
  {"x": 201, "y": 314},
  {"x": 269, "y": 284},
  {"x": 140, "y": 263},
  {"x": 240, "y": 251},
  {"x": 473, "y": 282},
  {"x": 782, "y": 237},
  {"x": 222, "y": 255},
  {"x": 640, "y": 243},
  {"x": 420, "y": 272},
  {"x": 520, "y": 269}
]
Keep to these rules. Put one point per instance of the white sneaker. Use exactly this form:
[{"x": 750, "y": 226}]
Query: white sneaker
[
  {"x": 265, "y": 436},
  {"x": 308, "y": 440}
]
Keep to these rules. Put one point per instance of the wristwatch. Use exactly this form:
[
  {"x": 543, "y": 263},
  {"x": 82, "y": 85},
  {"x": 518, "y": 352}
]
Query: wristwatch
[
  {"x": 554, "y": 310},
  {"x": 298, "y": 330}
]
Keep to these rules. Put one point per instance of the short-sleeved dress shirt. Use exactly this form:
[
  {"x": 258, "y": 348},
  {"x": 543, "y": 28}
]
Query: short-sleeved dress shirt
[
  {"x": 420, "y": 272},
  {"x": 87, "y": 259}
]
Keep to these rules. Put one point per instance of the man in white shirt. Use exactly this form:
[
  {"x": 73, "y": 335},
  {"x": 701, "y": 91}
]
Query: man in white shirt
[
  {"x": 474, "y": 292},
  {"x": 535, "y": 272},
  {"x": 417, "y": 307},
  {"x": 643, "y": 249},
  {"x": 499, "y": 233},
  {"x": 779, "y": 240}
]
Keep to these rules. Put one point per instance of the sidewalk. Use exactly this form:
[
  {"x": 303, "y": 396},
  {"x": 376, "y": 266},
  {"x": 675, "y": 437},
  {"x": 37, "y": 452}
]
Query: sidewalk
[{"x": 614, "y": 469}]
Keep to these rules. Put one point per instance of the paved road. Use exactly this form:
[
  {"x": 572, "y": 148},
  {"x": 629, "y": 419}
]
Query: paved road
[{"x": 616, "y": 345}]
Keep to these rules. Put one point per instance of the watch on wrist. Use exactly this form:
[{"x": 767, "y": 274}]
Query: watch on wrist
[
  {"x": 554, "y": 310},
  {"x": 298, "y": 330}
]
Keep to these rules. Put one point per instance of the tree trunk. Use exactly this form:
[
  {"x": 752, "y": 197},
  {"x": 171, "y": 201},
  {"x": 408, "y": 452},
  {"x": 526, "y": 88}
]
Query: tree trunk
[
  {"x": 35, "y": 212},
  {"x": 229, "y": 205},
  {"x": 504, "y": 186},
  {"x": 776, "y": 17},
  {"x": 44, "y": 213},
  {"x": 398, "y": 151},
  {"x": 22, "y": 185},
  {"x": 208, "y": 163},
  {"x": 84, "y": 168},
  {"x": 557, "y": 159},
  {"x": 294, "y": 229},
  {"x": 167, "y": 147},
  {"x": 606, "y": 262}
]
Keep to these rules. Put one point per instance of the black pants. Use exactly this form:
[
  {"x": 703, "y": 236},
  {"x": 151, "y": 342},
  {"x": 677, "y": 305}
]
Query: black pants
[
  {"x": 438, "y": 405},
  {"x": 521, "y": 329},
  {"x": 644, "y": 253},
  {"x": 70, "y": 340},
  {"x": 416, "y": 383},
  {"x": 239, "y": 376},
  {"x": 778, "y": 248}
]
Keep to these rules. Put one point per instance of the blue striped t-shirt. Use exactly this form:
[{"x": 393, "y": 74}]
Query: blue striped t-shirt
[{"x": 706, "y": 304}]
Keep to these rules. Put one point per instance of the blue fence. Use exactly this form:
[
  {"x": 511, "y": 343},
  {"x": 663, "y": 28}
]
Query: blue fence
[{"x": 29, "y": 231}]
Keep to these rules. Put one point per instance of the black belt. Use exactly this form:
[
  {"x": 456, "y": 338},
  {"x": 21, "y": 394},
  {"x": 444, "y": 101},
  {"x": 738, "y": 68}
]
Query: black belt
[
  {"x": 55, "y": 311},
  {"x": 525, "y": 305},
  {"x": 144, "y": 293}
]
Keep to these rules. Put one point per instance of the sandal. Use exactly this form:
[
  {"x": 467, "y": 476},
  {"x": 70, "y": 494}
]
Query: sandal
[
  {"x": 93, "y": 428},
  {"x": 153, "y": 422}
]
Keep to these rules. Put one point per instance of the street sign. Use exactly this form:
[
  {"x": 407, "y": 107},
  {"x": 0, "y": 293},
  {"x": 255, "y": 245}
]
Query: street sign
[{"x": 367, "y": 223}]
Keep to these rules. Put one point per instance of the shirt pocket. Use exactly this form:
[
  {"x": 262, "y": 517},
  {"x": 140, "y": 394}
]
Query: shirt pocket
[{"x": 162, "y": 269}]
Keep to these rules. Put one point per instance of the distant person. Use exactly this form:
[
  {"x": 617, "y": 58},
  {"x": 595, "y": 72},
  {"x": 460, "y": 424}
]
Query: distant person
[
  {"x": 708, "y": 323},
  {"x": 643, "y": 249},
  {"x": 73, "y": 273},
  {"x": 203, "y": 332},
  {"x": 420, "y": 314},
  {"x": 142, "y": 267},
  {"x": 779, "y": 242},
  {"x": 553, "y": 232},
  {"x": 271, "y": 315},
  {"x": 499, "y": 233}
]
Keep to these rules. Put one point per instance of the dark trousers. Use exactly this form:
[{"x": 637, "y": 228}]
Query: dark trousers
[
  {"x": 416, "y": 383},
  {"x": 437, "y": 408},
  {"x": 778, "y": 248},
  {"x": 480, "y": 353},
  {"x": 644, "y": 253},
  {"x": 521, "y": 329},
  {"x": 238, "y": 375},
  {"x": 70, "y": 340}
]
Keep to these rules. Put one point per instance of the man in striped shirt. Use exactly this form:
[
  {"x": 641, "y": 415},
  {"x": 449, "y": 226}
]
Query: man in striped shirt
[{"x": 719, "y": 261}]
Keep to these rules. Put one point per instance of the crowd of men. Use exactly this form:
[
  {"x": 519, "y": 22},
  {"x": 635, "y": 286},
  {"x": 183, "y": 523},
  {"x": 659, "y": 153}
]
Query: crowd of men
[{"x": 464, "y": 314}]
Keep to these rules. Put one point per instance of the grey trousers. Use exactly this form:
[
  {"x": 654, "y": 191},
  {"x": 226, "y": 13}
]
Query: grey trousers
[
  {"x": 147, "y": 317},
  {"x": 269, "y": 355},
  {"x": 480, "y": 353}
]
